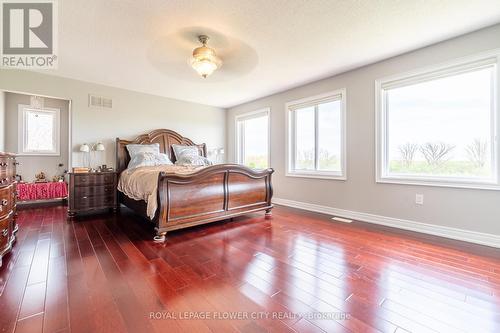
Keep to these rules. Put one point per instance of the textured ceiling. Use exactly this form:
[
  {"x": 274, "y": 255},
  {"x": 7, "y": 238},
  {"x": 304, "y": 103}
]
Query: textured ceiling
[{"x": 267, "y": 46}]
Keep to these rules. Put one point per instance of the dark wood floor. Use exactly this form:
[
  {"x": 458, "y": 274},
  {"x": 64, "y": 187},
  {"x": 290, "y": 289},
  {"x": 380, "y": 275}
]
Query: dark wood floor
[{"x": 298, "y": 272}]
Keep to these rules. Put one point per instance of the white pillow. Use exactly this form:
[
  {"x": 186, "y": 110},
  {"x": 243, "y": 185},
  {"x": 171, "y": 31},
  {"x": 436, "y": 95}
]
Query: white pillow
[
  {"x": 134, "y": 149},
  {"x": 148, "y": 159},
  {"x": 163, "y": 159},
  {"x": 180, "y": 151},
  {"x": 193, "y": 160}
]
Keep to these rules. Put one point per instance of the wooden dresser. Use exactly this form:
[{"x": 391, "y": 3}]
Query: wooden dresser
[
  {"x": 8, "y": 226},
  {"x": 90, "y": 192}
]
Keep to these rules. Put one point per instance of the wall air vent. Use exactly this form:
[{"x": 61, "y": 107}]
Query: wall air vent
[{"x": 100, "y": 102}]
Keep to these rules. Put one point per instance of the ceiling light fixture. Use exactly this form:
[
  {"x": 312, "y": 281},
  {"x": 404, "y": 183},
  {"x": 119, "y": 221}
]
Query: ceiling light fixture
[{"x": 204, "y": 59}]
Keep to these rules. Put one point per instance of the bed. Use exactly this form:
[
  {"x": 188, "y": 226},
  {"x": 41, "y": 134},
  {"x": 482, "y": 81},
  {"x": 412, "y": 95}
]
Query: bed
[{"x": 200, "y": 196}]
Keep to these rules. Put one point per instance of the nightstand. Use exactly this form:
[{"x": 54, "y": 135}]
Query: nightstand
[{"x": 89, "y": 192}]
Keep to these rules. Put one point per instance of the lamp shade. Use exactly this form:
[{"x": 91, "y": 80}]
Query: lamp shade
[
  {"x": 99, "y": 147},
  {"x": 85, "y": 148}
]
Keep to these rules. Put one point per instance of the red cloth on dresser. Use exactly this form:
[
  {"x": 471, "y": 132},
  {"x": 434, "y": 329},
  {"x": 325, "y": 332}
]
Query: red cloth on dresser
[{"x": 41, "y": 191}]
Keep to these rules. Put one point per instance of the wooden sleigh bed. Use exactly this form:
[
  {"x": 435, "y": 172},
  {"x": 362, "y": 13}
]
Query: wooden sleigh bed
[{"x": 211, "y": 194}]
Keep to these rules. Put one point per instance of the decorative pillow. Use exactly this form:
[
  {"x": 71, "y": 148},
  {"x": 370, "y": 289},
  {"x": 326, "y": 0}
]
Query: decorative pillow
[
  {"x": 134, "y": 149},
  {"x": 148, "y": 159},
  {"x": 193, "y": 160},
  {"x": 180, "y": 151},
  {"x": 163, "y": 159}
]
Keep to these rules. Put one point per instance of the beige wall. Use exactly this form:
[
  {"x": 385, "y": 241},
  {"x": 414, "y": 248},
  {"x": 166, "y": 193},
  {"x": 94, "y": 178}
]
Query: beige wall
[
  {"x": 31, "y": 165},
  {"x": 476, "y": 210},
  {"x": 132, "y": 114}
]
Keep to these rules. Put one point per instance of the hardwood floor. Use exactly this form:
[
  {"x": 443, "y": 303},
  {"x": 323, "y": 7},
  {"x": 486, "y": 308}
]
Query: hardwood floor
[{"x": 298, "y": 271}]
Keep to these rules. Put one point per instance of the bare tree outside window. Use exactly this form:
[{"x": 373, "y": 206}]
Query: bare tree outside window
[
  {"x": 437, "y": 152},
  {"x": 477, "y": 151},
  {"x": 408, "y": 151}
]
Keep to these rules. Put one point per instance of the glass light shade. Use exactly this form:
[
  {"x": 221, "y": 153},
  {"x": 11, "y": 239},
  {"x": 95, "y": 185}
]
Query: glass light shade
[
  {"x": 85, "y": 148},
  {"x": 99, "y": 147},
  {"x": 205, "y": 61},
  {"x": 204, "y": 67}
]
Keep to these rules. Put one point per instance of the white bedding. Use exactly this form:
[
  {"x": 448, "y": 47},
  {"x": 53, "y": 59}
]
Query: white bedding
[{"x": 142, "y": 183}]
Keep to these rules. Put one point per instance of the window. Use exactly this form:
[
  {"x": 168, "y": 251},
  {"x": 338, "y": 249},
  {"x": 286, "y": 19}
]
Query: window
[
  {"x": 438, "y": 127},
  {"x": 316, "y": 136},
  {"x": 38, "y": 131},
  {"x": 252, "y": 139}
]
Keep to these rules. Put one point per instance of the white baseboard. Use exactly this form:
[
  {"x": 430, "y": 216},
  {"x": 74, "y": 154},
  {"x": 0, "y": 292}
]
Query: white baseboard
[{"x": 447, "y": 232}]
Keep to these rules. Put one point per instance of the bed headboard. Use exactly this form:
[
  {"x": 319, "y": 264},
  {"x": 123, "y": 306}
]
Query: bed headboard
[{"x": 166, "y": 138}]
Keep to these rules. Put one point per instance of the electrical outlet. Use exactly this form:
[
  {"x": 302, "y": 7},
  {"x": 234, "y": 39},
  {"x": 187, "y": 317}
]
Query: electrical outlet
[{"x": 419, "y": 199}]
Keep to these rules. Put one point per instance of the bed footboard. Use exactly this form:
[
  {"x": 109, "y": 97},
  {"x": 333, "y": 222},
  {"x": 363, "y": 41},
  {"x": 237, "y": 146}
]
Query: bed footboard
[{"x": 211, "y": 194}]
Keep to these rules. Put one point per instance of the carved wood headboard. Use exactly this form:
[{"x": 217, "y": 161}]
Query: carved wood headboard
[{"x": 166, "y": 138}]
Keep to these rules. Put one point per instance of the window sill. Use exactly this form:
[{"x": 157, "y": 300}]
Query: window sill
[
  {"x": 38, "y": 154},
  {"x": 440, "y": 183},
  {"x": 317, "y": 175}
]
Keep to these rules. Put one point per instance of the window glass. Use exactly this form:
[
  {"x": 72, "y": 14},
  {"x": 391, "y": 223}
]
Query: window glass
[
  {"x": 442, "y": 128},
  {"x": 329, "y": 138},
  {"x": 253, "y": 140},
  {"x": 304, "y": 138}
]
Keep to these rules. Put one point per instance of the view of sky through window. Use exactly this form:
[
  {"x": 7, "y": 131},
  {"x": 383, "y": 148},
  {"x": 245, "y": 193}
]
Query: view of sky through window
[{"x": 39, "y": 131}]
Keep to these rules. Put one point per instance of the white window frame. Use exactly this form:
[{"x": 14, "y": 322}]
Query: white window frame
[
  {"x": 339, "y": 94},
  {"x": 239, "y": 152},
  {"x": 22, "y": 110},
  {"x": 462, "y": 65}
]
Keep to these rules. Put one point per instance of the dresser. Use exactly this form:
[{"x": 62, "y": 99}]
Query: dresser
[
  {"x": 8, "y": 226},
  {"x": 92, "y": 192}
]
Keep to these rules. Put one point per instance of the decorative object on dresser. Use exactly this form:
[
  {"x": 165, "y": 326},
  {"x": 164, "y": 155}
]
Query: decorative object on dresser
[
  {"x": 91, "y": 192},
  {"x": 212, "y": 193},
  {"x": 81, "y": 170},
  {"x": 8, "y": 225},
  {"x": 40, "y": 177},
  {"x": 62, "y": 173},
  {"x": 103, "y": 168}
]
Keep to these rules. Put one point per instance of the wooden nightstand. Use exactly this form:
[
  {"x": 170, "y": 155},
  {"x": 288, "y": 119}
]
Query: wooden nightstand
[{"x": 90, "y": 192}]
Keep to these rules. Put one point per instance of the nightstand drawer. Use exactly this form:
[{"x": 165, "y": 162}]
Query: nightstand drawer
[
  {"x": 91, "y": 191},
  {"x": 94, "y": 202},
  {"x": 6, "y": 200},
  {"x": 7, "y": 169},
  {"x": 5, "y": 232},
  {"x": 5, "y": 163},
  {"x": 98, "y": 179},
  {"x": 6, "y": 179}
]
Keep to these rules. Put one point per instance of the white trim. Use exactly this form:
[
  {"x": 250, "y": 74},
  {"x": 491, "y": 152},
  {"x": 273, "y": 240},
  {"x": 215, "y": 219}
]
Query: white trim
[
  {"x": 320, "y": 174},
  {"x": 454, "y": 67},
  {"x": 70, "y": 117},
  {"x": 70, "y": 131},
  {"x": 431, "y": 229},
  {"x": 317, "y": 174},
  {"x": 249, "y": 115},
  {"x": 21, "y": 128}
]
